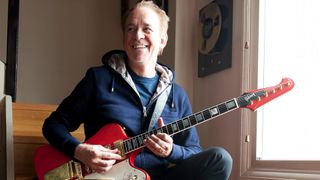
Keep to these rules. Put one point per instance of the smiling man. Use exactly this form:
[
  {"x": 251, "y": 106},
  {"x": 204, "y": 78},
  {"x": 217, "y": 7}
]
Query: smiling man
[
  {"x": 134, "y": 91},
  {"x": 144, "y": 40}
]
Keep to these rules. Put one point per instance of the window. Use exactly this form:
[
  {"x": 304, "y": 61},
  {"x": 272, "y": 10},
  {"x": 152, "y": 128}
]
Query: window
[
  {"x": 283, "y": 36},
  {"x": 289, "y": 46}
]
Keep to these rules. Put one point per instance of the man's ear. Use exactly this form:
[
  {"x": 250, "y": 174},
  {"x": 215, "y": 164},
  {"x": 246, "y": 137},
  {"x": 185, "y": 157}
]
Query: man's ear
[{"x": 164, "y": 40}]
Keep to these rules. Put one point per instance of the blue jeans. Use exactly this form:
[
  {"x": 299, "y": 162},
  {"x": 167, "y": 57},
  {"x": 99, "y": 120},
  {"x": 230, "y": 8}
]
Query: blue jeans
[{"x": 214, "y": 164}]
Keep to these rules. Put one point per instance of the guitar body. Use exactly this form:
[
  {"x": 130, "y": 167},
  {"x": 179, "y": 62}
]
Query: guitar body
[{"x": 52, "y": 164}]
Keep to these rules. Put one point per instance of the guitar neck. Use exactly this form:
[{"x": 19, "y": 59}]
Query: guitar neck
[{"x": 136, "y": 142}]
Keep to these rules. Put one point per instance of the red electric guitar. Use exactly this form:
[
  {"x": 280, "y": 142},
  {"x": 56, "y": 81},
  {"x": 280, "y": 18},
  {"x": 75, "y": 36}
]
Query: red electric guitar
[{"x": 52, "y": 164}]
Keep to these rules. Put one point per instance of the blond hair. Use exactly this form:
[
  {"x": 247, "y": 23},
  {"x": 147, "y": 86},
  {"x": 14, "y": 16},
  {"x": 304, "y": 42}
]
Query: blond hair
[{"x": 164, "y": 19}]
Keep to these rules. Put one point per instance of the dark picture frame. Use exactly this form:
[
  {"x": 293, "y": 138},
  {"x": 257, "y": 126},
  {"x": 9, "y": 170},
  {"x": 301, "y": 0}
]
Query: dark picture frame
[
  {"x": 215, "y": 37},
  {"x": 12, "y": 51}
]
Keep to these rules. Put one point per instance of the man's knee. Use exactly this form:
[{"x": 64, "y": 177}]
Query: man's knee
[
  {"x": 221, "y": 153},
  {"x": 221, "y": 160}
]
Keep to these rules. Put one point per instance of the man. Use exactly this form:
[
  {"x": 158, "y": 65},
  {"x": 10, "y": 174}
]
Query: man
[{"x": 133, "y": 90}]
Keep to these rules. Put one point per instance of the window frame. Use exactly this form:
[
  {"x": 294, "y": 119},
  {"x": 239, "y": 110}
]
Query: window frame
[{"x": 250, "y": 168}]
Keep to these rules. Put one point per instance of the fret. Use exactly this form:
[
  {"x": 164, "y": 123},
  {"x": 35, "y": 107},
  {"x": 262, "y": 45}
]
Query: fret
[
  {"x": 180, "y": 125},
  {"x": 129, "y": 145},
  {"x": 134, "y": 142},
  {"x": 206, "y": 114},
  {"x": 126, "y": 146},
  {"x": 213, "y": 111},
  {"x": 164, "y": 129},
  {"x": 154, "y": 132},
  {"x": 140, "y": 140},
  {"x": 241, "y": 101},
  {"x": 193, "y": 120},
  {"x": 231, "y": 104},
  {"x": 159, "y": 130},
  {"x": 148, "y": 134},
  {"x": 199, "y": 117},
  {"x": 145, "y": 135},
  {"x": 170, "y": 128},
  {"x": 222, "y": 108},
  {"x": 185, "y": 122},
  {"x": 175, "y": 127}
]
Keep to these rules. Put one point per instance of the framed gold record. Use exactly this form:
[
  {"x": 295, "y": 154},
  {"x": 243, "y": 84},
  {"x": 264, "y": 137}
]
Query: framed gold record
[
  {"x": 209, "y": 27},
  {"x": 215, "y": 37}
]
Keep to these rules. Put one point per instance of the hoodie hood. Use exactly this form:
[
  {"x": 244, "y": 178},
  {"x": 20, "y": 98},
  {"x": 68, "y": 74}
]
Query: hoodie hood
[{"x": 116, "y": 59}]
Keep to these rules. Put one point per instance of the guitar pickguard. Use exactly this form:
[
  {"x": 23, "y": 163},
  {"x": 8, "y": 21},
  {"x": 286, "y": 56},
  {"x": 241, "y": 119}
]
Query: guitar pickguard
[{"x": 119, "y": 171}]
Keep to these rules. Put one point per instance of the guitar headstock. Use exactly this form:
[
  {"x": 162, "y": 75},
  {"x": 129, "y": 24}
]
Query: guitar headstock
[{"x": 255, "y": 98}]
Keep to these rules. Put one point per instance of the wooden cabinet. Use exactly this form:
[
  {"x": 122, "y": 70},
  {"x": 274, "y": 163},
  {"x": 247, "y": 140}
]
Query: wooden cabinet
[{"x": 27, "y": 135}]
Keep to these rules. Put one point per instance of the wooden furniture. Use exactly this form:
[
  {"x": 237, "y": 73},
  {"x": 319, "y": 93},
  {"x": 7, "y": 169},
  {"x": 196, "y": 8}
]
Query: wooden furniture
[{"x": 27, "y": 135}]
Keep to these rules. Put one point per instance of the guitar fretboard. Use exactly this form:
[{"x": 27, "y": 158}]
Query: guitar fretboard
[{"x": 137, "y": 142}]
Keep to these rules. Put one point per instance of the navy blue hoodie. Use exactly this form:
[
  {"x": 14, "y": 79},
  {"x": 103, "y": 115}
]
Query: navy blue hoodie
[{"x": 106, "y": 95}]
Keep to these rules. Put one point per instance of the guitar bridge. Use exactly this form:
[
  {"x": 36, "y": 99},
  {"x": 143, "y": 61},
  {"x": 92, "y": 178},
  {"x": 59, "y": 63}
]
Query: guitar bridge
[{"x": 68, "y": 171}]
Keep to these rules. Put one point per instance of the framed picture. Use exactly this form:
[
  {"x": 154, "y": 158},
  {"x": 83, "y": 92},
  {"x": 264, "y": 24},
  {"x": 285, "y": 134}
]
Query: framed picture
[
  {"x": 128, "y": 4},
  {"x": 215, "y": 37}
]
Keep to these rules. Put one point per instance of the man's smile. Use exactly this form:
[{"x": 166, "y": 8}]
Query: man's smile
[{"x": 138, "y": 46}]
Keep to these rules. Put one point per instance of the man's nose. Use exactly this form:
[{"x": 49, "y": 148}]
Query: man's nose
[{"x": 139, "y": 34}]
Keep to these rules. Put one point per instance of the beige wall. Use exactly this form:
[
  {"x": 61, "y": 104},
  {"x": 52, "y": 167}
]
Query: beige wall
[
  {"x": 219, "y": 87},
  {"x": 58, "y": 41},
  {"x": 186, "y": 46},
  {"x": 213, "y": 89}
]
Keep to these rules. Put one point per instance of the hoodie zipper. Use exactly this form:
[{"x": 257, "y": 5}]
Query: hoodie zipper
[
  {"x": 144, "y": 112},
  {"x": 146, "y": 108}
]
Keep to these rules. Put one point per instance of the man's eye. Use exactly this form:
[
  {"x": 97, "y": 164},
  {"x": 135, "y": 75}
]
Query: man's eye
[
  {"x": 148, "y": 29},
  {"x": 130, "y": 29}
]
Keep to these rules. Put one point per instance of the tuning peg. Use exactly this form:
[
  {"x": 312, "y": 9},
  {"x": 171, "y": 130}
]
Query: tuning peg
[
  {"x": 288, "y": 83},
  {"x": 259, "y": 98},
  {"x": 280, "y": 87},
  {"x": 251, "y": 102},
  {"x": 273, "y": 91},
  {"x": 267, "y": 94}
]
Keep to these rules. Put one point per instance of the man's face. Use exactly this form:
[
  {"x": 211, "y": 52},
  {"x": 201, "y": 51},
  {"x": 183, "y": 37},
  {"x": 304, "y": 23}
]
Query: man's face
[{"x": 143, "y": 38}]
